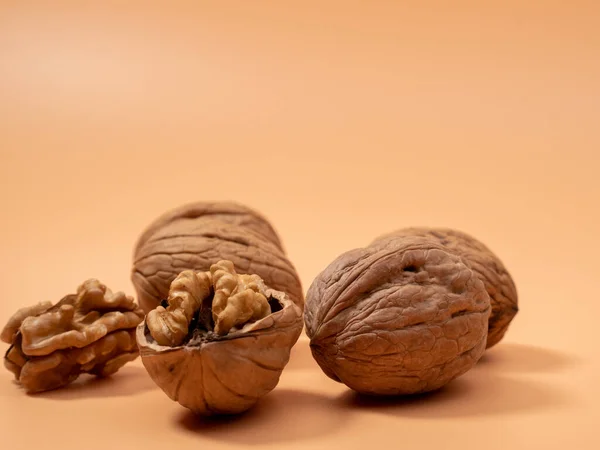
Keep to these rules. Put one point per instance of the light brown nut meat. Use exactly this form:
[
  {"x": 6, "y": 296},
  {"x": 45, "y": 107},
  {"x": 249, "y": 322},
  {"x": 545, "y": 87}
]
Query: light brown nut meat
[
  {"x": 195, "y": 243},
  {"x": 88, "y": 332},
  {"x": 11, "y": 329},
  {"x": 238, "y": 298},
  {"x": 400, "y": 318},
  {"x": 225, "y": 373},
  {"x": 186, "y": 296},
  {"x": 496, "y": 278}
]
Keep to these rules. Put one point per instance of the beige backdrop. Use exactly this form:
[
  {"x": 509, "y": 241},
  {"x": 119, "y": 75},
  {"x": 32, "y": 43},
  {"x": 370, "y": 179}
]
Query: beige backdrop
[{"x": 339, "y": 121}]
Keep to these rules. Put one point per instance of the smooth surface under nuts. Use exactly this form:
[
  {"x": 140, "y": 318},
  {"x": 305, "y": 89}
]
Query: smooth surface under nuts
[
  {"x": 496, "y": 278},
  {"x": 402, "y": 316},
  {"x": 220, "y": 341},
  {"x": 92, "y": 331},
  {"x": 195, "y": 236}
]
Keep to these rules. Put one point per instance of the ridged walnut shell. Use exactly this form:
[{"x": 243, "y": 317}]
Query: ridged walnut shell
[
  {"x": 229, "y": 212},
  {"x": 197, "y": 235},
  {"x": 228, "y": 374},
  {"x": 401, "y": 317},
  {"x": 497, "y": 280}
]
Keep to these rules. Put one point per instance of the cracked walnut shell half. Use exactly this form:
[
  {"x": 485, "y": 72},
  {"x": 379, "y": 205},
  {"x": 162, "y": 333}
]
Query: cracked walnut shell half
[
  {"x": 196, "y": 235},
  {"x": 488, "y": 267},
  {"x": 92, "y": 331},
  {"x": 404, "y": 316},
  {"x": 220, "y": 341}
]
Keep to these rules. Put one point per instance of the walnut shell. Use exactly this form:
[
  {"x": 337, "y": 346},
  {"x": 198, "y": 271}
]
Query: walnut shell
[
  {"x": 195, "y": 236},
  {"x": 92, "y": 331},
  {"x": 402, "y": 316},
  {"x": 210, "y": 372},
  {"x": 496, "y": 278},
  {"x": 229, "y": 212}
]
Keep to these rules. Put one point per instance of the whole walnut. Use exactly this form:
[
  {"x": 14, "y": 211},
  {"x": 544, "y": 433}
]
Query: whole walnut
[
  {"x": 194, "y": 236},
  {"x": 92, "y": 331},
  {"x": 220, "y": 341},
  {"x": 401, "y": 316},
  {"x": 488, "y": 267}
]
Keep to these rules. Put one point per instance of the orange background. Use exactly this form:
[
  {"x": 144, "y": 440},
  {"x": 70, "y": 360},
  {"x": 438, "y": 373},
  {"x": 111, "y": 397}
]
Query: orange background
[{"x": 339, "y": 121}]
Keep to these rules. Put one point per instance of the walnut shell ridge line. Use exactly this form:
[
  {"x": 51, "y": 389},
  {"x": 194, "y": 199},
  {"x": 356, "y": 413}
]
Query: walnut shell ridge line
[
  {"x": 194, "y": 236},
  {"x": 498, "y": 282},
  {"x": 229, "y": 212}
]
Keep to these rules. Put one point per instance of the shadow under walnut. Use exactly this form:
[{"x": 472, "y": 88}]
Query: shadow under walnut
[
  {"x": 132, "y": 380},
  {"x": 514, "y": 358},
  {"x": 286, "y": 415},
  {"x": 475, "y": 395}
]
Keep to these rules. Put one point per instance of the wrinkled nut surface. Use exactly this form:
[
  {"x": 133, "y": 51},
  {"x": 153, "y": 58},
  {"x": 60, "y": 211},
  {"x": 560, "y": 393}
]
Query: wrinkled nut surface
[
  {"x": 169, "y": 326},
  {"x": 400, "y": 317},
  {"x": 478, "y": 257},
  {"x": 92, "y": 331},
  {"x": 230, "y": 212},
  {"x": 237, "y": 298},
  {"x": 195, "y": 236},
  {"x": 238, "y": 338}
]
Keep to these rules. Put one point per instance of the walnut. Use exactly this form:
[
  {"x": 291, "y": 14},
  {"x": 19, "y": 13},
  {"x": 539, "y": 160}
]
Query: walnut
[
  {"x": 496, "y": 278},
  {"x": 194, "y": 236},
  {"x": 92, "y": 331},
  {"x": 401, "y": 316},
  {"x": 238, "y": 337}
]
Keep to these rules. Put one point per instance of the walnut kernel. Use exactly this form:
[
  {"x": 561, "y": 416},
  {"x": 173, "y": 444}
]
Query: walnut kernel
[{"x": 91, "y": 331}]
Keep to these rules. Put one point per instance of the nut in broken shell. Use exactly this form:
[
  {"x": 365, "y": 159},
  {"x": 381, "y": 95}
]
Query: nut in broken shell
[
  {"x": 193, "y": 236},
  {"x": 403, "y": 316},
  {"x": 92, "y": 331},
  {"x": 220, "y": 341}
]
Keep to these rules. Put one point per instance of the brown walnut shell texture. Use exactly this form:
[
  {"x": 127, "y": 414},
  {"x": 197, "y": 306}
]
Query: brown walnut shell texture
[
  {"x": 194, "y": 236},
  {"x": 230, "y": 373},
  {"x": 400, "y": 317},
  {"x": 498, "y": 282},
  {"x": 92, "y": 332}
]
